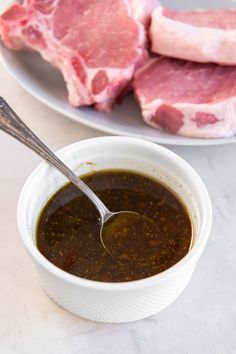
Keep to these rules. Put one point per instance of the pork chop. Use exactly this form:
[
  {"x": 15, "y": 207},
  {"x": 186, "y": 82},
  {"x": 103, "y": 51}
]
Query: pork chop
[
  {"x": 199, "y": 35},
  {"x": 186, "y": 98},
  {"x": 96, "y": 44},
  {"x": 143, "y": 9}
]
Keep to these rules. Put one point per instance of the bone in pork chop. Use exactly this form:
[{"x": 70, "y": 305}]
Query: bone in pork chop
[
  {"x": 198, "y": 35},
  {"x": 96, "y": 44},
  {"x": 186, "y": 98}
]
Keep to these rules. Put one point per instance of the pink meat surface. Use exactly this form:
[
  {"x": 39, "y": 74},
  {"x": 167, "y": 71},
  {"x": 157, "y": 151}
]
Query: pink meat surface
[
  {"x": 186, "y": 98},
  {"x": 96, "y": 44},
  {"x": 142, "y": 10},
  {"x": 199, "y": 35},
  {"x": 224, "y": 19}
]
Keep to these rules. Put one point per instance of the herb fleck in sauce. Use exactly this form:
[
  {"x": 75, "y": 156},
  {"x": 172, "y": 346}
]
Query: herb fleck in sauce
[{"x": 68, "y": 227}]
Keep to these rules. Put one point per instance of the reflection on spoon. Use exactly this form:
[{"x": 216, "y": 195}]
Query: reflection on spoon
[{"x": 128, "y": 236}]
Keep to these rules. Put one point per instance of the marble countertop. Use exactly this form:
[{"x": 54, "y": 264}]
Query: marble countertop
[{"x": 201, "y": 321}]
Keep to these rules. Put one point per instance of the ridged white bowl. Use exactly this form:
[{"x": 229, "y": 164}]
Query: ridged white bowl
[{"x": 116, "y": 302}]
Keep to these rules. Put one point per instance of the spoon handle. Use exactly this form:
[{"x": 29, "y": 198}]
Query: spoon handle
[{"x": 11, "y": 124}]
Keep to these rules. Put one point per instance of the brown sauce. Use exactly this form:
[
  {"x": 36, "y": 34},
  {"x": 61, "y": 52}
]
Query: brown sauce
[{"x": 68, "y": 228}]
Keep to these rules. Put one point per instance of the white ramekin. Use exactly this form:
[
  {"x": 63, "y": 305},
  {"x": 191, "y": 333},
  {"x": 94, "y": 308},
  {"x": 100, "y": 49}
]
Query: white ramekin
[{"x": 116, "y": 302}]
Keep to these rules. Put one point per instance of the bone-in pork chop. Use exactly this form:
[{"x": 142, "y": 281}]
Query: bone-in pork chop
[{"x": 96, "y": 44}]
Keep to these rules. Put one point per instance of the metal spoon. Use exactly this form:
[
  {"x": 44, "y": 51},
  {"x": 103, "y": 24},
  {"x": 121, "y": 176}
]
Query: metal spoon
[{"x": 110, "y": 221}]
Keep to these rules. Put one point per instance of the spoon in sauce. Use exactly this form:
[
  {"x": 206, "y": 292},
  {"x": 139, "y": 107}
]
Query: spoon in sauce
[{"x": 120, "y": 231}]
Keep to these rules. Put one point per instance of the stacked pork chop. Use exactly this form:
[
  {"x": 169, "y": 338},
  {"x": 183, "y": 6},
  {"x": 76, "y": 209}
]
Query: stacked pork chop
[
  {"x": 187, "y": 86},
  {"x": 187, "y": 98},
  {"x": 198, "y": 98}
]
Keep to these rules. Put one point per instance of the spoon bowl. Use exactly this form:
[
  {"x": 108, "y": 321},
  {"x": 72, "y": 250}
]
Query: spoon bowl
[{"x": 130, "y": 236}]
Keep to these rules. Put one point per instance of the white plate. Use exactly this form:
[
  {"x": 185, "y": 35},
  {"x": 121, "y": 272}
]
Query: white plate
[{"x": 46, "y": 84}]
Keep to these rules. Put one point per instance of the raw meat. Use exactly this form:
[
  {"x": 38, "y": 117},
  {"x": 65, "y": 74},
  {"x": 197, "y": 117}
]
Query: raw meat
[
  {"x": 199, "y": 35},
  {"x": 142, "y": 10},
  {"x": 186, "y": 98},
  {"x": 96, "y": 44}
]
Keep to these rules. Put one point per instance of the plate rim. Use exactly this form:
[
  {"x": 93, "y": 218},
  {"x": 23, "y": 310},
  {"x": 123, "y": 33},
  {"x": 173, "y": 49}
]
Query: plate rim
[{"x": 101, "y": 127}]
